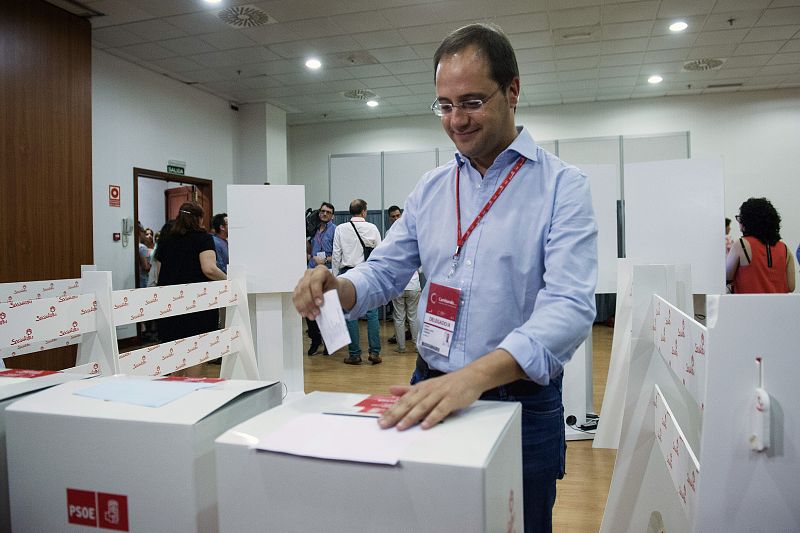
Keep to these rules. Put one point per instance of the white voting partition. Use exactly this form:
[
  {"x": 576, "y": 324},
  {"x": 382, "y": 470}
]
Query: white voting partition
[
  {"x": 576, "y": 390},
  {"x": 604, "y": 184},
  {"x": 267, "y": 238},
  {"x": 355, "y": 176},
  {"x": 685, "y": 460},
  {"x": 636, "y": 285},
  {"x": 673, "y": 214},
  {"x": 401, "y": 172}
]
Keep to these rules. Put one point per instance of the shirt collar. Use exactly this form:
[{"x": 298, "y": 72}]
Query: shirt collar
[
  {"x": 357, "y": 219},
  {"x": 522, "y": 145}
]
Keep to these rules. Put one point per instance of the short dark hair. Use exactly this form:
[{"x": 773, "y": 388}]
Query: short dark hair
[
  {"x": 218, "y": 221},
  {"x": 392, "y": 209},
  {"x": 358, "y": 206},
  {"x": 761, "y": 220},
  {"x": 727, "y": 222},
  {"x": 327, "y": 204},
  {"x": 491, "y": 41}
]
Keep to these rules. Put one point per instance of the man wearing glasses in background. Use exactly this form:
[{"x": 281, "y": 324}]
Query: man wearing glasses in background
[
  {"x": 507, "y": 233},
  {"x": 320, "y": 254}
]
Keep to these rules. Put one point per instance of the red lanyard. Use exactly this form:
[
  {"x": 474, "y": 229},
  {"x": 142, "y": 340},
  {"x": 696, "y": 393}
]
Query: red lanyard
[{"x": 461, "y": 239}]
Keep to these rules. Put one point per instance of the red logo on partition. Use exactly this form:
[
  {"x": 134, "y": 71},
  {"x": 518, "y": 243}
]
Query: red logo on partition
[
  {"x": 81, "y": 507},
  {"x": 88, "y": 508},
  {"x": 112, "y": 511}
]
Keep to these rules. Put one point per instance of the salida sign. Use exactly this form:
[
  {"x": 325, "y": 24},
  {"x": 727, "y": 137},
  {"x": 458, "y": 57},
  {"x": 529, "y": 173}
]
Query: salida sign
[{"x": 97, "y": 509}]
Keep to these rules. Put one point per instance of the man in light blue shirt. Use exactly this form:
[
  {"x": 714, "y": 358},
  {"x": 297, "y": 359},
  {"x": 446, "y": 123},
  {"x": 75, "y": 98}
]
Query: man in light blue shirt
[{"x": 512, "y": 228}]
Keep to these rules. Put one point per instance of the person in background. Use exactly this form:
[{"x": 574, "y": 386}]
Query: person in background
[
  {"x": 143, "y": 255},
  {"x": 350, "y": 243},
  {"x": 512, "y": 259},
  {"x": 187, "y": 255},
  {"x": 320, "y": 252},
  {"x": 219, "y": 231},
  {"x": 728, "y": 238},
  {"x": 405, "y": 306},
  {"x": 759, "y": 262}
]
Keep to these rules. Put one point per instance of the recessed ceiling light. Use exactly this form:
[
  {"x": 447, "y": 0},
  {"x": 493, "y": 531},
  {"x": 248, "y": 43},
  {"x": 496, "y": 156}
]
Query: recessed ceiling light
[
  {"x": 213, "y": 1},
  {"x": 678, "y": 26},
  {"x": 372, "y": 103},
  {"x": 655, "y": 78},
  {"x": 313, "y": 63}
]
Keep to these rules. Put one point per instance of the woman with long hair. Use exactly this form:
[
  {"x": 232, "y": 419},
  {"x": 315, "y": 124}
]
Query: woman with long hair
[
  {"x": 759, "y": 262},
  {"x": 186, "y": 255}
]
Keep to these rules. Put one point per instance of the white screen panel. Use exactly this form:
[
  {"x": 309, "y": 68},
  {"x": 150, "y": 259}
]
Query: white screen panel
[
  {"x": 274, "y": 260},
  {"x": 355, "y": 176},
  {"x": 656, "y": 148},
  {"x": 401, "y": 172},
  {"x": 603, "y": 181},
  {"x": 580, "y": 152},
  {"x": 673, "y": 215}
]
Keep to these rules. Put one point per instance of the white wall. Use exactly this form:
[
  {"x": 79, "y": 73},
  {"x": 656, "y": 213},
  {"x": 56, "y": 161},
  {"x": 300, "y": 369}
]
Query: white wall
[
  {"x": 142, "y": 119},
  {"x": 757, "y": 134},
  {"x": 252, "y": 146}
]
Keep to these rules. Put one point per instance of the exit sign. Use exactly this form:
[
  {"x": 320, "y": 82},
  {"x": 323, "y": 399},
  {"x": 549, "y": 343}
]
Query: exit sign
[{"x": 172, "y": 169}]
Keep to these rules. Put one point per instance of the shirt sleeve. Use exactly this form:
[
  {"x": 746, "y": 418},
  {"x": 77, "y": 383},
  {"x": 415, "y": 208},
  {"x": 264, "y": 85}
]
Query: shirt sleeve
[
  {"x": 336, "y": 257},
  {"x": 565, "y": 307}
]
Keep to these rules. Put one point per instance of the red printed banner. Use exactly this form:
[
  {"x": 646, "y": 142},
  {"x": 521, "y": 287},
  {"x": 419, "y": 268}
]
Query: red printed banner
[
  {"x": 137, "y": 305},
  {"x": 20, "y": 373},
  {"x": 377, "y": 404}
]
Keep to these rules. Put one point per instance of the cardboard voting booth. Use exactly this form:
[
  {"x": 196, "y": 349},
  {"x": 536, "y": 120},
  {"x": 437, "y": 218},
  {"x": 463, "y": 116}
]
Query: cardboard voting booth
[
  {"x": 14, "y": 385},
  {"x": 464, "y": 475},
  {"x": 96, "y": 454}
]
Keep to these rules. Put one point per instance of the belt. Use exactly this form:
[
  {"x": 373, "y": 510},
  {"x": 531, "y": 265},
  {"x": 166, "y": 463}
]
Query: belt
[{"x": 520, "y": 387}]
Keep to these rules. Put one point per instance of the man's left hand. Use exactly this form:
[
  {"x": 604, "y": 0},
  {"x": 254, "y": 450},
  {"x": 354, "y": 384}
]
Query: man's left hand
[{"x": 431, "y": 401}]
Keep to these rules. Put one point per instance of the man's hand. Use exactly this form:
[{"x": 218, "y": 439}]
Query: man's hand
[
  {"x": 308, "y": 293},
  {"x": 432, "y": 400}
]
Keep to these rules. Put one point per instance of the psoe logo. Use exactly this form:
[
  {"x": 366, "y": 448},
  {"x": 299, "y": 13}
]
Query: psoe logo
[
  {"x": 3, "y": 320},
  {"x": 97, "y": 509},
  {"x": 124, "y": 303},
  {"x": 73, "y": 329},
  {"x": 45, "y": 316},
  {"x": 22, "y": 289}
]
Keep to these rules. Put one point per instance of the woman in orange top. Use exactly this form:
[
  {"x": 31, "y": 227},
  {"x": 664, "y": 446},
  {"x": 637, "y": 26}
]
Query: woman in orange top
[{"x": 760, "y": 262}]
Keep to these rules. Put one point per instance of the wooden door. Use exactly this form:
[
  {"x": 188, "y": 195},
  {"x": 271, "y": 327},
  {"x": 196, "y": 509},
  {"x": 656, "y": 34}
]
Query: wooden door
[{"x": 173, "y": 198}]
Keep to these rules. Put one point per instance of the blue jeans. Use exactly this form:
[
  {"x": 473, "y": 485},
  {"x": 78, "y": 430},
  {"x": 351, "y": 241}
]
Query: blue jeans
[
  {"x": 373, "y": 335},
  {"x": 543, "y": 444}
]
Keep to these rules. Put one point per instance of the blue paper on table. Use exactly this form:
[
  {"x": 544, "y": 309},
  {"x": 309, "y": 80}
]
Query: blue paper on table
[{"x": 142, "y": 392}]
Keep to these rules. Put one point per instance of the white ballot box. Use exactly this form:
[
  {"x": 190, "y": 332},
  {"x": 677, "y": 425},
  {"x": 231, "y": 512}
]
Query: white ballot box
[
  {"x": 14, "y": 385},
  {"x": 464, "y": 475},
  {"x": 124, "y": 453}
]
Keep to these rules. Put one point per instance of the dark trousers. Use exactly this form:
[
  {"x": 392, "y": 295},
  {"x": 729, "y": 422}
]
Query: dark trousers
[
  {"x": 543, "y": 442},
  {"x": 313, "y": 332}
]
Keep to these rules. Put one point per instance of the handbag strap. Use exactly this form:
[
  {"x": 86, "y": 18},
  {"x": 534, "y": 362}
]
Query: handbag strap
[{"x": 363, "y": 246}]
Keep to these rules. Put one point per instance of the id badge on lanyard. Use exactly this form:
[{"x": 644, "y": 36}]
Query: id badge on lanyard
[{"x": 441, "y": 314}]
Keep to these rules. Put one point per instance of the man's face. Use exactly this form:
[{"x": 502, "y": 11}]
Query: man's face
[
  {"x": 223, "y": 229},
  {"x": 325, "y": 214},
  {"x": 484, "y": 133},
  {"x": 394, "y": 215}
]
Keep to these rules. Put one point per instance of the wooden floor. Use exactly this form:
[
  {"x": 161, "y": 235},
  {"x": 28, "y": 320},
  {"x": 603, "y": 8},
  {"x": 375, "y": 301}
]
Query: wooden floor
[{"x": 583, "y": 491}]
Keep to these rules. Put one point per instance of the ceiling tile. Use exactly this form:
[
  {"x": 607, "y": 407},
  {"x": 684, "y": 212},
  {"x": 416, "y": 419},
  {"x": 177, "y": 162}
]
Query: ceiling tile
[
  {"x": 577, "y": 63},
  {"x": 154, "y": 30},
  {"x": 425, "y": 51},
  {"x": 262, "y": 82},
  {"x": 533, "y": 79},
  {"x": 147, "y": 51},
  {"x": 386, "y": 92},
  {"x": 613, "y": 60},
  {"x": 658, "y": 56},
  {"x": 398, "y": 53},
  {"x": 366, "y": 21},
  {"x": 577, "y": 75},
  {"x": 667, "y": 42},
  {"x": 720, "y": 37},
  {"x": 729, "y": 73},
  {"x": 116, "y": 36},
  {"x": 614, "y": 72},
  {"x": 627, "y": 30},
  {"x": 576, "y": 50},
  {"x": 416, "y": 78},
  {"x": 537, "y": 68},
  {"x": 791, "y": 46},
  {"x": 198, "y": 23},
  {"x": 530, "y": 22},
  {"x": 117, "y": 12},
  {"x": 368, "y": 71},
  {"x": 778, "y": 70},
  {"x": 413, "y": 15},
  {"x": 408, "y": 67},
  {"x": 624, "y": 45},
  {"x": 569, "y": 18},
  {"x": 747, "y": 61},
  {"x": 736, "y": 20},
  {"x": 772, "y": 33},
  {"x": 531, "y": 39},
  {"x": 380, "y": 39},
  {"x": 177, "y": 64},
  {"x": 629, "y": 12},
  {"x": 763, "y": 47},
  {"x": 314, "y": 28},
  {"x": 684, "y": 8},
  {"x": 428, "y": 33},
  {"x": 616, "y": 82},
  {"x": 779, "y": 17},
  {"x": 717, "y": 51},
  {"x": 530, "y": 55},
  {"x": 226, "y": 40},
  {"x": 271, "y": 34},
  {"x": 187, "y": 46},
  {"x": 782, "y": 59}
]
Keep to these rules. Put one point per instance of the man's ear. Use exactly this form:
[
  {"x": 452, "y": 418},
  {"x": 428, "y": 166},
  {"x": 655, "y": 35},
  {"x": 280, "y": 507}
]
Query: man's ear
[{"x": 513, "y": 93}]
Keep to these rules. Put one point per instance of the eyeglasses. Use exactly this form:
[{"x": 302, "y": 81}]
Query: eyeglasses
[{"x": 441, "y": 109}]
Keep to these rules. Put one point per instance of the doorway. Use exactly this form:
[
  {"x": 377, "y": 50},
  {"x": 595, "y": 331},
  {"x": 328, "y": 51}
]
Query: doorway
[{"x": 157, "y": 197}]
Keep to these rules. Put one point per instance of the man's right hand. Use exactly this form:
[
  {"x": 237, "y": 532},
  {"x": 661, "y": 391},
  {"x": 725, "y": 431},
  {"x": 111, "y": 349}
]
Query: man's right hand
[{"x": 308, "y": 293}]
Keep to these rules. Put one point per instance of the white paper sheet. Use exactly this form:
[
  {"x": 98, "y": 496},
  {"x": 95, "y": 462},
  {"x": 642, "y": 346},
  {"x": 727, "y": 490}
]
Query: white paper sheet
[
  {"x": 332, "y": 324},
  {"x": 342, "y": 438},
  {"x": 142, "y": 392}
]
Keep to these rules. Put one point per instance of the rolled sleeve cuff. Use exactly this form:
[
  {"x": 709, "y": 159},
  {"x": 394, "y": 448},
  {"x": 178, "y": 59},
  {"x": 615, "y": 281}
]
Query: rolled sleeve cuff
[
  {"x": 359, "y": 282},
  {"x": 535, "y": 360}
]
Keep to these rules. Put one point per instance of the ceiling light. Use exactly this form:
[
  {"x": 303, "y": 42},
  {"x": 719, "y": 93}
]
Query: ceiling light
[
  {"x": 372, "y": 103},
  {"x": 655, "y": 78},
  {"x": 213, "y": 1},
  {"x": 678, "y": 26},
  {"x": 313, "y": 63}
]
